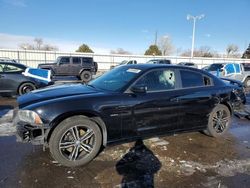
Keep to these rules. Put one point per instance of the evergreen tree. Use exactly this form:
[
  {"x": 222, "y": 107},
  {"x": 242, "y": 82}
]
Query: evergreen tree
[
  {"x": 84, "y": 48},
  {"x": 153, "y": 50},
  {"x": 246, "y": 54}
]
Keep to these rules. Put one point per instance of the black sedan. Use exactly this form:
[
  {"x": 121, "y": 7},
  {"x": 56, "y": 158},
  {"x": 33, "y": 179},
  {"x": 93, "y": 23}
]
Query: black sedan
[
  {"x": 127, "y": 103},
  {"x": 13, "y": 82}
]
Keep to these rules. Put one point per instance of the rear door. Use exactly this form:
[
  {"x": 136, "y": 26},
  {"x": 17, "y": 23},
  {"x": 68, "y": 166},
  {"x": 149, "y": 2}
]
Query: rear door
[
  {"x": 197, "y": 99},
  {"x": 76, "y": 66}
]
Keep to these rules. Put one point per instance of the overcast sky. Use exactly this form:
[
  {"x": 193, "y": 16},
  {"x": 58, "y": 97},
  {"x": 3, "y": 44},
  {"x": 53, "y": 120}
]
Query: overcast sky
[{"x": 127, "y": 24}]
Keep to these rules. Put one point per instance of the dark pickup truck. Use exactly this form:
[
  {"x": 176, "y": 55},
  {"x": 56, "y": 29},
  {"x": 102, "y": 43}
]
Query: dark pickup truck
[{"x": 82, "y": 67}]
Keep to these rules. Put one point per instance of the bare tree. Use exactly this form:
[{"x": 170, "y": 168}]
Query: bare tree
[
  {"x": 203, "y": 51},
  {"x": 26, "y": 46},
  {"x": 38, "y": 45},
  {"x": 165, "y": 45},
  {"x": 48, "y": 47},
  {"x": 120, "y": 51},
  {"x": 232, "y": 50}
]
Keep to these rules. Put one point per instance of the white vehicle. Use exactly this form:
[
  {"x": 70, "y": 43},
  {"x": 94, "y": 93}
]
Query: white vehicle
[{"x": 236, "y": 71}]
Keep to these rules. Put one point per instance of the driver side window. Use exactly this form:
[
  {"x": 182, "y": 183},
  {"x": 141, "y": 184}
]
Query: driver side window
[
  {"x": 1, "y": 68},
  {"x": 158, "y": 80},
  {"x": 64, "y": 61}
]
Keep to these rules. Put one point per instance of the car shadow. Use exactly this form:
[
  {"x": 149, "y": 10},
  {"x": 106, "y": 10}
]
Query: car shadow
[{"x": 138, "y": 166}]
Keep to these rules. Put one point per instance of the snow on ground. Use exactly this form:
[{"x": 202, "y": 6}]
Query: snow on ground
[{"x": 6, "y": 126}]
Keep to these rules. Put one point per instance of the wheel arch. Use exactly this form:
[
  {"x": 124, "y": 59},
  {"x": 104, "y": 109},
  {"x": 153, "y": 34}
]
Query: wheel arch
[
  {"x": 91, "y": 115},
  {"x": 228, "y": 105},
  {"x": 84, "y": 69}
]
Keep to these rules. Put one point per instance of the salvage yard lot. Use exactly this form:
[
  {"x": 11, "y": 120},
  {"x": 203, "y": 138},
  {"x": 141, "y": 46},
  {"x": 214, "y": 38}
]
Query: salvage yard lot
[{"x": 183, "y": 160}]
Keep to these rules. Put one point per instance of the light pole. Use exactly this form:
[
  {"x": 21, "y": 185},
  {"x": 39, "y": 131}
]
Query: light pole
[{"x": 194, "y": 18}]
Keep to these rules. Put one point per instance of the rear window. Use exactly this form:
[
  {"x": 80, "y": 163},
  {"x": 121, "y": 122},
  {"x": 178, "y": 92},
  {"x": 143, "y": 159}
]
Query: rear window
[
  {"x": 246, "y": 66},
  {"x": 215, "y": 67},
  {"x": 191, "y": 79},
  {"x": 87, "y": 60}
]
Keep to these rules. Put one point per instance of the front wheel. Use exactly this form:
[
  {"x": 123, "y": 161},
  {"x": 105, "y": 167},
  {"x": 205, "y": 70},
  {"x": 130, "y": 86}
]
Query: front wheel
[
  {"x": 75, "y": 141},
  {"x": 219, "y": 121}
]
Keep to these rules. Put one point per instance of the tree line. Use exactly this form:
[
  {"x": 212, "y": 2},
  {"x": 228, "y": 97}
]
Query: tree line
[{"x": 163, "y": 47}]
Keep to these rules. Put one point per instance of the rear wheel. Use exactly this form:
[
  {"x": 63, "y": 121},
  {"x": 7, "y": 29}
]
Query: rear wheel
[
  {"x": 86, "y": 76},
  {"x": 219, "y": 121},
  {"x": 75, "y": 141},
  {"x": 26, "y": 88},
  {"x": 247, "y": 82}
]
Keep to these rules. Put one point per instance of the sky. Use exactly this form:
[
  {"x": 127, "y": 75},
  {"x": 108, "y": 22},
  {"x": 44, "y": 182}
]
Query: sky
[{"x": 129, "y": 24}]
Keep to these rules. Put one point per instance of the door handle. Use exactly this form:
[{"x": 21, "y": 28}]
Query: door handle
[
  {"x": 1, "y": 76},
  {"x": 176, "y": 99}
]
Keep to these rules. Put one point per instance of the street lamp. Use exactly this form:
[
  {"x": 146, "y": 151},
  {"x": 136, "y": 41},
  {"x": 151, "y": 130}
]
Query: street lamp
[{"x": 194, "y": 18}]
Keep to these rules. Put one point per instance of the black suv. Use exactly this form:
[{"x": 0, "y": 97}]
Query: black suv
[{"x": 82, "y": 67}]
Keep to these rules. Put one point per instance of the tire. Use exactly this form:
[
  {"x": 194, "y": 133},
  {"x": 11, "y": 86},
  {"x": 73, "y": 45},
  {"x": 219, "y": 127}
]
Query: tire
[
  {"x": 26, "y": 88},
  {"x": 247, "y": 82},
  {"x": 86, "y": 76},
  {"x": 218, "y": 123},
  {"x": 76, "y": 152}
]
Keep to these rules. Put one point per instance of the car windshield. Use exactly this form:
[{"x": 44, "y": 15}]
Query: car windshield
[
  {"x": 215, "y": 67},
  {"x": 115, "y": 79}
]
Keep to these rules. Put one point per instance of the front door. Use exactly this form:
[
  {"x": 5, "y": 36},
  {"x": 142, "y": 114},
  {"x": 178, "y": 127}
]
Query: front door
[
  {"x": 63, "y": 66},
  {"x": 157, "y": 110},
  {"x": 2, "y": 81}
]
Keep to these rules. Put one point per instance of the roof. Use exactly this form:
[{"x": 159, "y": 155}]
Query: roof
[{"x": 146, "y": 67}]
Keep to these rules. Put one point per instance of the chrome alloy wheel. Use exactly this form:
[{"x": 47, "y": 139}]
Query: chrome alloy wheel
[
  {"x": 220, "y": 120},
  {"x": 77, "y": 142}
]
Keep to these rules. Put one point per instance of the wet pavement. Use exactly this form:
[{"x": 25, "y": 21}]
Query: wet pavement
[{"x": 183, "y": 160}]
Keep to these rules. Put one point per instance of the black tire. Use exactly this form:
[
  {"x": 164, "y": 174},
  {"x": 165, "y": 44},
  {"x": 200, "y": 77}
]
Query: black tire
[
  {"x": 247, "y": 83},
  {"x": 86, "y": 76},
  {"x": 219, "y": 121},
  {"x": 67, "y": 147},
  {"x": 26, "y": 88}
]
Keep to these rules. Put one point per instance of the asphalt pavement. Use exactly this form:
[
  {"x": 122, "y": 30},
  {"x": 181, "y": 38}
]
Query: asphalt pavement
[{"x": 183, "y": 160}]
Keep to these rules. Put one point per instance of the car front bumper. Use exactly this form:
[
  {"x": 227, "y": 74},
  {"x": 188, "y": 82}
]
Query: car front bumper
[{"x": 25, "y": 132}]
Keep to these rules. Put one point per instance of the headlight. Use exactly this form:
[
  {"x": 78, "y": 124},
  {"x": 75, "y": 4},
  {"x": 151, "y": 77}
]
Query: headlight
[{"x": 29, "y": 117}]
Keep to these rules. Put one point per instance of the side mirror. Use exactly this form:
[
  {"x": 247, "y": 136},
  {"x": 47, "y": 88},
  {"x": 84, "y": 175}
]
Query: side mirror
[{"x": 139, "y": 89}]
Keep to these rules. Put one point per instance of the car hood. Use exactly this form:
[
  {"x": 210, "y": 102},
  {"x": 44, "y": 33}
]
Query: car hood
[{"x": 54, "y": 92}]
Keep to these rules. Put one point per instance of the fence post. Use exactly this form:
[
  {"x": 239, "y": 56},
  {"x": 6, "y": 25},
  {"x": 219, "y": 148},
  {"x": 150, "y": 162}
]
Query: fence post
[
  {"x": 45, "y": 57},
  {"x": 18, "y": 56}
]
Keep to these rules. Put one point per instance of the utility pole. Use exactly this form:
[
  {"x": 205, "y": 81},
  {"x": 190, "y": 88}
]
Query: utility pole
[{"x": 156, "y": 38}]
